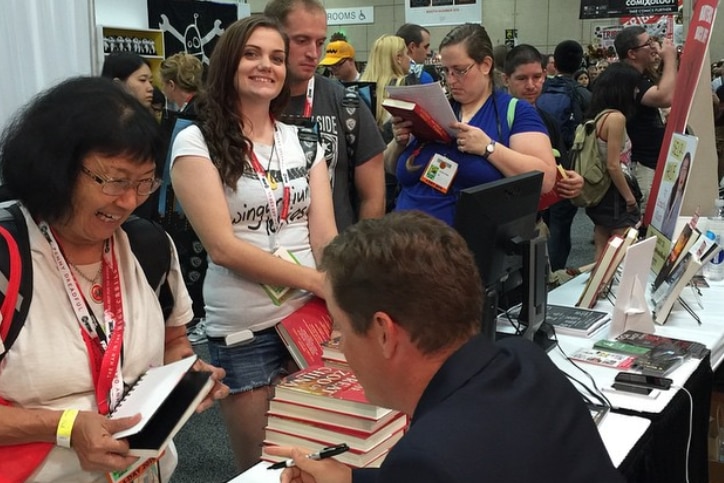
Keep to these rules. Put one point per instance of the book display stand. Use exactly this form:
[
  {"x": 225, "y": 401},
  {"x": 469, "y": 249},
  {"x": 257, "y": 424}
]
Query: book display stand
[{"x": 631, "y": 310}]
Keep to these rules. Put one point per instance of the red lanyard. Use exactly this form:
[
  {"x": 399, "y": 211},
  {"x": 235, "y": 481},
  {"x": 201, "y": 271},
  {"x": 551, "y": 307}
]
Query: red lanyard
[
  {"x": 309, "y": 102},
  {"x": 276, "y": 217},
  {"x": 104, "y": 342}
]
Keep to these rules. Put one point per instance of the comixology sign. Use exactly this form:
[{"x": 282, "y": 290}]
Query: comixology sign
[{"x": 626, "y": 8}]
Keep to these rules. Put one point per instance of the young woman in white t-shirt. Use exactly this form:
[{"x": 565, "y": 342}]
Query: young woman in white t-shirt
[{"x": 263, "y": 211}]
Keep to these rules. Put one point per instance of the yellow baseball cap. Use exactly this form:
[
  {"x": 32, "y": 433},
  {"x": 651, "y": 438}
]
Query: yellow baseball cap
[{"x": 336, "y": 52}]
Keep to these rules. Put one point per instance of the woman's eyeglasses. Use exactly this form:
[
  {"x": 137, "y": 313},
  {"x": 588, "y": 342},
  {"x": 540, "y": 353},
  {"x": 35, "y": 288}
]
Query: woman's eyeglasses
[
  {"x": 116, "y": 187},
  {"x": 455, "y": 72}
]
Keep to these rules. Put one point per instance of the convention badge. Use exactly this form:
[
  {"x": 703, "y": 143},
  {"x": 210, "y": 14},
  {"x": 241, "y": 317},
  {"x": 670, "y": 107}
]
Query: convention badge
[
  {"x": 279, "y": 294},
  {"x": 142, "y": 471},
  {"x": 440, "y": 173}
]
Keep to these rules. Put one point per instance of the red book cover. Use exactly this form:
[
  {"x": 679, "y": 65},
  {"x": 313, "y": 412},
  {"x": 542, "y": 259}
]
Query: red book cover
[
  {"x": 328, "y": 388},
  {"x": 552, "y": 197},
  {"x": 424, "y": 126},
  {"x": 304, "y": 330}
]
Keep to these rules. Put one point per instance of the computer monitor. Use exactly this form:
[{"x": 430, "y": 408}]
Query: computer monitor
[{"x": 498, "y": 221}]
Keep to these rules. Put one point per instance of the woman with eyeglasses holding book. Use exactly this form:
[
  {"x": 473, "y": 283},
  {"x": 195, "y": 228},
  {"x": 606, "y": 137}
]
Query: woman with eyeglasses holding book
[
  {"x": 489, "y": 145},
  {"x": 94, "y": 323}
]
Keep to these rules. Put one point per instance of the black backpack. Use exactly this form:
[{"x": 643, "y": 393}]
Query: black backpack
[
  {"x": 148, "y": 241},
  {"x": 560, "y": 99}
]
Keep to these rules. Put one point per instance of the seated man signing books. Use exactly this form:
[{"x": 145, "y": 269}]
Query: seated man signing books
[{"x": 479, "y": 411}]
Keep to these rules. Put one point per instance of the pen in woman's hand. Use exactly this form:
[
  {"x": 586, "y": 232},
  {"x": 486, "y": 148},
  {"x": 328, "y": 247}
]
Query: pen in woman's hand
[{"x": 322, "y": 454}]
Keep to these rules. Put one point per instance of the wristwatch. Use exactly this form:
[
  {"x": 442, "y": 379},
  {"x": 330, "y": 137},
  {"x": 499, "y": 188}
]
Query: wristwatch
[{"x": 489, "y": 149}]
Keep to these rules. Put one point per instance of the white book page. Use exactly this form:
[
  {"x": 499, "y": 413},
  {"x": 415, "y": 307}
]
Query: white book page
[{"x": 431, "y": 97}]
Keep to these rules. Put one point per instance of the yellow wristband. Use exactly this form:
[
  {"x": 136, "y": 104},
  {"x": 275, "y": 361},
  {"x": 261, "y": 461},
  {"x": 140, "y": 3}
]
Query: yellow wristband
[{"x": 65, "y": 428}]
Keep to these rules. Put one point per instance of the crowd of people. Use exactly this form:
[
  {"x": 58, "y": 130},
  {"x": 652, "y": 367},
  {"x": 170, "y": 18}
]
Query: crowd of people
[{"x": 274, "y": 186}]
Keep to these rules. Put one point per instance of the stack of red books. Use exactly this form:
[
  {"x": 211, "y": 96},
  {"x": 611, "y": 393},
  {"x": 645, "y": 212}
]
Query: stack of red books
[{"x": 323, "y": 406}]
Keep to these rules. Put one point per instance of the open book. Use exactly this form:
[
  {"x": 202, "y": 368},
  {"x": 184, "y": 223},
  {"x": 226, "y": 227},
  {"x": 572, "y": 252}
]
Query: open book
[
  {"x": 165, "y": 396},
  {"x": 426, "y": 106},
  {"x": 304, "y": 330}
]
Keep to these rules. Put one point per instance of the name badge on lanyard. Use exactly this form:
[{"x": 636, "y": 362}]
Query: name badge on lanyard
[{"x": 440, "y": 173}]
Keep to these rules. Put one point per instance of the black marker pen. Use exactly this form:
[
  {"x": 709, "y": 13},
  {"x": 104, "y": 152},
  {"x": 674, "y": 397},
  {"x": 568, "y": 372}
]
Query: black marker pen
[{"x": 325, "y": 453}]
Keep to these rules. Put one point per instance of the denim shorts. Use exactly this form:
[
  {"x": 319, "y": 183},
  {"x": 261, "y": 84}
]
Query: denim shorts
[{"x": 252, "y": 365}]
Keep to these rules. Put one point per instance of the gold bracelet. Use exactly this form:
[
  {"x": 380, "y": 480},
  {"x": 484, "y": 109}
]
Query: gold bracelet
[{"x": 65, "y": 428}]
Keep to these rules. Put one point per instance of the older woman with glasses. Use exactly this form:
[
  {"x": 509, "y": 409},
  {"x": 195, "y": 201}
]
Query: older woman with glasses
[
  {"x": 489, "y": 145},
  {"x": 94, "y": 324}
]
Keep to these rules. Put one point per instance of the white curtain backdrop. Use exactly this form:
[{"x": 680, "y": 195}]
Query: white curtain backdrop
[{"x": 41, "y": 43}]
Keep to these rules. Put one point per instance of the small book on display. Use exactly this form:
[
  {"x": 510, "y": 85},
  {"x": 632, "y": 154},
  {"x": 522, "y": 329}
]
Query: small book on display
[
  {"x": 629, "y": 238},
  {"x": 686, "y": 348},
  {"x": 650, "y": 361},
  {"x": 604, "y": 358},
  {"x": 687, "y": 237},
  {"x": 575, "y": 321},
  {"x": 595, "y": 284},
  {"x": 664, "y": 297},
  {"x": 166, "y": 397}
]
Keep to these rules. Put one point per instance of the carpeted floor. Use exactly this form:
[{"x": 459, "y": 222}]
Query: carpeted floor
[{"x": 204, "y": 454}]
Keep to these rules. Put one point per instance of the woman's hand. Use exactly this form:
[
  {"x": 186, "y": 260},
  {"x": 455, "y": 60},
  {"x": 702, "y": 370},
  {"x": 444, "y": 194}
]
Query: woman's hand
[
  {"x": 218, "y": 391},
  {"x": 316, "y": 283},
  {"x": 632, "y": 205},
  {"x": 471, "y": 139},
  {"x": 92, "y": 439},
  {"x": 570, "y": 187},
  {"x": 401, "y": 131}
]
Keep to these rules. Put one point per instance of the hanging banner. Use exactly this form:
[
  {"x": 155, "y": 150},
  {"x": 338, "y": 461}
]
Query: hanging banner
[
  {"x": 191, "y": 27},
  {"x": 603, "y": 33},
  {"x": 591, "y": 9},
  {"x": 687, "y": 78},
  {"x": 443, "y": 12}
]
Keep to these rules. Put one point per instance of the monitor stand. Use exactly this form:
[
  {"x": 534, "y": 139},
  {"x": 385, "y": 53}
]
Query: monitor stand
[{"x": 541, "y": 338}]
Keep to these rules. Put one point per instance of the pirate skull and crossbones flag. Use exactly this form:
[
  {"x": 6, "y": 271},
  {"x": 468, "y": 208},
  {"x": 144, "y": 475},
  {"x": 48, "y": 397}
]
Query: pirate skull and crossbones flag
[{"x": 191, "y": 27}]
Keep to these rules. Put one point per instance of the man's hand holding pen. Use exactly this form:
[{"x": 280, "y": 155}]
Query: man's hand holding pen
[{"x": 307, "y": 467}]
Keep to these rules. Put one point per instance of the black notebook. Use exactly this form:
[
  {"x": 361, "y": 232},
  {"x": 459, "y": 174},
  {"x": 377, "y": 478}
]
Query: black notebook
[{"x": 165, "y": 396}]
